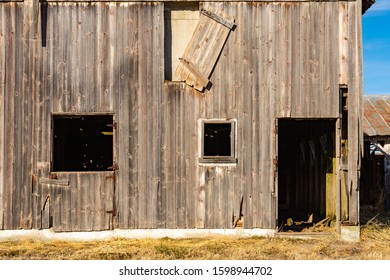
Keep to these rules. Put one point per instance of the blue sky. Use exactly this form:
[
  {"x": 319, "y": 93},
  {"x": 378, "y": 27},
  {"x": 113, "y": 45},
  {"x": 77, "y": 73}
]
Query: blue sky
[{"x": 376, "y": 48}]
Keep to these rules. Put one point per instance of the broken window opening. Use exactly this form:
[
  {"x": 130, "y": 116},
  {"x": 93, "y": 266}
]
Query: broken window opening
[
  {"x": 218, "y": 142},
  {"x": 180, "y": 20},
  {"x": 82, "y": 143}
]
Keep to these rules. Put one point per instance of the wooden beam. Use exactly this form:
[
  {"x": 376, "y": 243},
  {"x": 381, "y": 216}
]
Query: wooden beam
[
  {"x": 192, "y": 68},
  {"x": 219, "y": 19},
  {"x": 61, "y": 182}
]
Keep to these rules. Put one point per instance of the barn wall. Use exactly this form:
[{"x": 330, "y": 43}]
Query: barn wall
[
  {"x": 108, "y": 57},
  {"x": 266, "y": 70},
  {"x": 16, "y": 120}
]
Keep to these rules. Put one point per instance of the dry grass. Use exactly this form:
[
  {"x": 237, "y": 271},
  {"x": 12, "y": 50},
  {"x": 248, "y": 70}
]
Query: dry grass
[{"x": 374, "y": 245}]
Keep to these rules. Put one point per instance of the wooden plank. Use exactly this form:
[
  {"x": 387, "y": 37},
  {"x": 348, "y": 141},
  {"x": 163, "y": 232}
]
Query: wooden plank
[
  {"x": 42, "y": 122},
  {"x": 89, "y": 54},
  {"x": 34, "y": 94},
  {"x": 211, "y": 53},
  {"x": 284, "y": 61},
  {"x": 152, "y": 96},
  {"x": 355, "y": 91},
  {"x": 55, "y": 208},
  {"x": 333, "y": 55},
  {"x": 360, "y": 139},
  {"x": 163, "y": 191},
  {"x": 158, "y": 74},
  {"x": 343, "y": 42},
  {"x": 188, "y": 156},
  {"x": 202, "y": 79},
  {"x": 67, "y": 221},
  {"x": 323, "y": 107},
  {"x": 74, "y": 55},
  {"x": 257, "y": 197},
  {"x": 244, "y": 108},
  {"x": 210, "y": 203},
  {"x": 338, "y": 172},
  {"x": 3, "y": 40},
  {"x": 141, "y": 215},
  {"x": 29, "y": 88},
  {"x": 219, "y": 19},
  {"x": 306, "y": 23},
  {"x": 120, "y": 40},
  {"x": 180, "y": 164},
  {"x": 114, "y": 103},
  {"x": 192, "y": 165},
  {"x": 17, "y": 125},
  {"x": 246, "y": 206},
  {"x": 296, "y": 57},
  {"x": 270, "y": 202},
  {"x": 203, "y": 50},
  {"x": 59, "y": 182},
  {"x": 171, "y": 206}
]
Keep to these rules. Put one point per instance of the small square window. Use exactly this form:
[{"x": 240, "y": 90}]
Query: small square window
[
  {"x": 82, "y": 143},
  {"x": 218, "y": 141}
]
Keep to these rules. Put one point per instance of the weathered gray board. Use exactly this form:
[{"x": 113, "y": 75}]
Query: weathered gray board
[{"x": 282, "y": 60}]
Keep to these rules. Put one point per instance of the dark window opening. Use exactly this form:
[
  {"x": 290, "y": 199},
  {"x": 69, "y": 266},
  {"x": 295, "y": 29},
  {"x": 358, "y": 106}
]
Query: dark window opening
[
  {"x": 218, "y": 142},
  {"x": 217, "y": 139},
  {"x": 82, "y": 143}
]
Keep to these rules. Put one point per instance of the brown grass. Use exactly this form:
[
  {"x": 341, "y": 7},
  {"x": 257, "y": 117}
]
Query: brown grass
[{"x": 374, "y": 245}]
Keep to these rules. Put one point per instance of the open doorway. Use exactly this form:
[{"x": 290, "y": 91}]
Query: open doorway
[{"x": 306, "y": 173}]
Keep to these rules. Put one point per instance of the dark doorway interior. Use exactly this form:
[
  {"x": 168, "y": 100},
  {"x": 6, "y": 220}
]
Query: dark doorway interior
[
  {"x": 373, "y": 192},
  {"x": 306, "y": 181}
]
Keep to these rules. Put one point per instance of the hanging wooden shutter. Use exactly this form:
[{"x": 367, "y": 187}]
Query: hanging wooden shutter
[{"x": 203, "y": 50}]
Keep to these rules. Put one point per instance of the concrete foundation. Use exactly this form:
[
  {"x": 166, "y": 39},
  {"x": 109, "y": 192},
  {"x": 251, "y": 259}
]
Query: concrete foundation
[
  {"x": 48, "y": 234},
  {"x": 350, "y": 233}
]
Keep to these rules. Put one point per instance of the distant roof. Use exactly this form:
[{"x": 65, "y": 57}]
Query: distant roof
[
  {"x": 376, "y": 118},
  {"x": 366, "y": 4}
]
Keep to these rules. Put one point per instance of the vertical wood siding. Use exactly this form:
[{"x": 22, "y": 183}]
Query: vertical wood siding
[{"x": 281, "y": 60}]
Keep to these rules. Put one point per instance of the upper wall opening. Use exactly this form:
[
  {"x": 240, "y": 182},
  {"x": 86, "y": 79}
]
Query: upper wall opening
[{"x": 180, "y": 20}]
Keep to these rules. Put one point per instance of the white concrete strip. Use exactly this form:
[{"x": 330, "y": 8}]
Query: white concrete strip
[
  {"x": 350, "y": 233},
  {"x": 48, "y": 234}
]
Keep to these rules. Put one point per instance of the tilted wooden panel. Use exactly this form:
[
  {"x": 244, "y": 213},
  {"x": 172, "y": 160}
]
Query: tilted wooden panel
[{"x": 203, "y": 50}]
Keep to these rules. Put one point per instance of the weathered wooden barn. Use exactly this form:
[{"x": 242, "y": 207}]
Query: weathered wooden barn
[
  {"x": 179, "y": 115},
  {"x": 375, "y": 183}
]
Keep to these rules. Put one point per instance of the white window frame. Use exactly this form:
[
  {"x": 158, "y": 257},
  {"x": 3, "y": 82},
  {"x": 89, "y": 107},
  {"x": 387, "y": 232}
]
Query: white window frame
[{"x": 217, "y": 160}]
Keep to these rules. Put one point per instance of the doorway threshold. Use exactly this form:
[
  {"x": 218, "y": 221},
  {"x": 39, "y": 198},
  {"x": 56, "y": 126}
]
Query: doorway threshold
[{"x": 304, "y": 235}]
